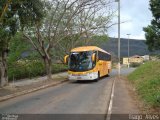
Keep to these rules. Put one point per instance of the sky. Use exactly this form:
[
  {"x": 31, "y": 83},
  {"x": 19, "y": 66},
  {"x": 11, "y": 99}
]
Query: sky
[{"x": 137, "y": 15}]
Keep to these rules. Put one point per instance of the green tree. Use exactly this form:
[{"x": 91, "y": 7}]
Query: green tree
[
  {"x": 17, "y": 47},
  {"x": 14, "y": 15},
  {"x": 152, "y": 32}
]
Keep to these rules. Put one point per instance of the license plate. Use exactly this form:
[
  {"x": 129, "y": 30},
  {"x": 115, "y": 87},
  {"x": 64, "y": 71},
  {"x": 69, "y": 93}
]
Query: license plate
[
  {"x": 75, "y": 75},
  {"x": 78, "y": 77}
]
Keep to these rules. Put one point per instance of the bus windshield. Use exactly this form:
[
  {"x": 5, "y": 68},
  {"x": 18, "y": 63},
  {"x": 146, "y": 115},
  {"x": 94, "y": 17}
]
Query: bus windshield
[{"x": 80, "y": 61}]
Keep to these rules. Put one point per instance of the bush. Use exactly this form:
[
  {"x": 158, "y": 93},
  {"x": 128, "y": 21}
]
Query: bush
[
  {"x": 25, "y": 70},
  {"x": 135, "y": 64},
  {"x": 29, "y": 69},
  {"x": 59, "y": 68}
]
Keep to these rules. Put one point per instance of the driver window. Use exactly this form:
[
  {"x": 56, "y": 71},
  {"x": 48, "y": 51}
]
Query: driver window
[{"x": 94, "y": 63}]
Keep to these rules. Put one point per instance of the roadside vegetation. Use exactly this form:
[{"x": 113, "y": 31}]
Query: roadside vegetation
[
  {"x": 24, "y": 62},
  {"x": 147, "y": 77},
  {"x": 135, "y": 64},
  {"x": 31, "y": 68},
  {"x": 146, "y": 80}
]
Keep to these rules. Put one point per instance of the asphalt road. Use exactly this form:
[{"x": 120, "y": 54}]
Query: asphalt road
[{"x": 67, "y": 98}]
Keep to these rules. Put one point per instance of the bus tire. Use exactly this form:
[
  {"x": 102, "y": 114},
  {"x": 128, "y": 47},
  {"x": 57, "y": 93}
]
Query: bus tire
[
  {"x": 96, "y": 80},
  {"x": 108, "y": 74}
]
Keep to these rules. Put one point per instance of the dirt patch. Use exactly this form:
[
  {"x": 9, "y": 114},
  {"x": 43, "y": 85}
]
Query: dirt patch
[{"x": 14, "y": 89}]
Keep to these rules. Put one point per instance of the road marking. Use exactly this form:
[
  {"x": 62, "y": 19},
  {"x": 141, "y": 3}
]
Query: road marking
[{"x": 110, "y": 103}]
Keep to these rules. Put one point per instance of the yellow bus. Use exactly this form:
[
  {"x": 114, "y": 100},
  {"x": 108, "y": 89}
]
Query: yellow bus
[{"x": 88, "y": 63}]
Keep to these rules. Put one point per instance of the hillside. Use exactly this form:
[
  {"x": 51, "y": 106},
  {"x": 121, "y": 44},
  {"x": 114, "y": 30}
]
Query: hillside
[
  {"x": 146, "y": 80},
  {"x": 137, "y": 47}
]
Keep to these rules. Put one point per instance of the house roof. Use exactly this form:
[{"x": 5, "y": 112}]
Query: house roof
[{"x": 136, "y": 56}]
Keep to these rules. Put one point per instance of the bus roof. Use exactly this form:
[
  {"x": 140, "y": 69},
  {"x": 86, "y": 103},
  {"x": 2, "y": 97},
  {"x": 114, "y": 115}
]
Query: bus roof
[{"x": 88, "y": 48}]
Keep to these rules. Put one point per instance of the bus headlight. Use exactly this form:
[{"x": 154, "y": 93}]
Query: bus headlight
[{"x": 89, "y": 74}]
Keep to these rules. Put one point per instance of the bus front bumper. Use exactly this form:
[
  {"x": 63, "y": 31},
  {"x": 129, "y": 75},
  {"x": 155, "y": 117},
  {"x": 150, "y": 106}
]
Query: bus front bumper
[{"x": 88, "y": 76}]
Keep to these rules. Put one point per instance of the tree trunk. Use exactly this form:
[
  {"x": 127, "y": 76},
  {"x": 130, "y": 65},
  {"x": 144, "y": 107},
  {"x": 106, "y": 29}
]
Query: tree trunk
[
  {"x": 3, "y": 69},
  {"x": 48, "y": 67}
]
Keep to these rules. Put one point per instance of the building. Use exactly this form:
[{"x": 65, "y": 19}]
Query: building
[
  {"x": 125, "y": 61},
  {"x": 133, "y": 59},
  {"x": 146, "y": 57}
]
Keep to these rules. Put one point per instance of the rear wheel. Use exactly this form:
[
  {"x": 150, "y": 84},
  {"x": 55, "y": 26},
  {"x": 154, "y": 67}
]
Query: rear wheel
[{"x": 108, "y": 73}]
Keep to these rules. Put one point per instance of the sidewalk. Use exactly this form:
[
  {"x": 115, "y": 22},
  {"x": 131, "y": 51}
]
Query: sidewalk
[
  {"x": 25, "y": 86},
  {"x": 125, "y": 103}
]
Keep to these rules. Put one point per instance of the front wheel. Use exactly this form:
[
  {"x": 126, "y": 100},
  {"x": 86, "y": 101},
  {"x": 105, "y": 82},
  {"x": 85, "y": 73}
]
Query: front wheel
[{"x": 96, "y": 80}]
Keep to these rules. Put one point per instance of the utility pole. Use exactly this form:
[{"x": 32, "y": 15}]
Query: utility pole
[
  {"x": 119, "y": 56},
  {"x": 128, "y": 49}
]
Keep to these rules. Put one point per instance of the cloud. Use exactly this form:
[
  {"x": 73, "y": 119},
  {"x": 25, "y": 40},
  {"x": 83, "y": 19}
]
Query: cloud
[
  {"x": 137, "y": 15},
  {"x": 138, "y": 36}
]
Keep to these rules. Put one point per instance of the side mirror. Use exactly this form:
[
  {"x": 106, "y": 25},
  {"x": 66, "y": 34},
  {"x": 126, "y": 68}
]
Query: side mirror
[
  {"x": 93, "y": 57},
  {"x": 66, "y": 59}
]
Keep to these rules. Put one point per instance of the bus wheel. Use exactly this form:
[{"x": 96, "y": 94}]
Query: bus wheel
[
  {"x": 98, "y": 77},
  {"x": 108, "y": 73}
]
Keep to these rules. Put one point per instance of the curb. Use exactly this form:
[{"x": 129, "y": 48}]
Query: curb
[
  {"x": 29, "y": 91},
  {"x": 110, "y": 104}
]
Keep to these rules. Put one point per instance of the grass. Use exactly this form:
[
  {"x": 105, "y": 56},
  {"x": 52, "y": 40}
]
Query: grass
[{"x": 146, "y": 79}]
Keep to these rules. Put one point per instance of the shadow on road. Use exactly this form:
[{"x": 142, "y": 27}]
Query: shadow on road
[
  {"x": 88, "y": 81},
  {"x": 83, "y": 82}
]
